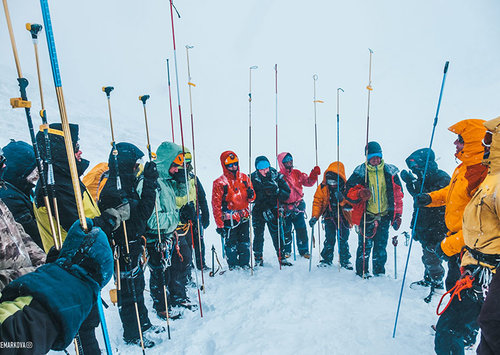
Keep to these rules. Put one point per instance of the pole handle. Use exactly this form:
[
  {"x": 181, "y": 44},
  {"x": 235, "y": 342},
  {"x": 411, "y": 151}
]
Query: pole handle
[
  {"x": 34, "y": 29},
  {"x": 144, "y": 98},
  {"x": 107, "y": 90},
  {"x": 446, "y": 66}
]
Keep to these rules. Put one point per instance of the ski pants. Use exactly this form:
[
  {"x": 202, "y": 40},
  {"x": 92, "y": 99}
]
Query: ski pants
[
  {"x": 158, "y": 276},
  {"x": 197, "y": 241},
  {"x": 454, "y": 325},
  {"x": 87, "y": 332},
  {"x": 489, "y": 320},
  {"x": 180, "y": 269},
  {"x": 329, "y": 243},
  {"x": 297, "y": 220},
  {"x": 379, "y": 244},
  {"x": 132, "y": 291},
  {"x": 434, "y": 270},
  {"x": 259, "y": 224},
  {"x": 237, "y": 245}
]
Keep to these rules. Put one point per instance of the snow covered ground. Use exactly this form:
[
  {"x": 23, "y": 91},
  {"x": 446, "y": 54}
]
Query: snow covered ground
[{"x": 125, "y": 45}]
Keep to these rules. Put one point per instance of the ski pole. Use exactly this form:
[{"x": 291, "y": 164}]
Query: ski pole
[
  {"x": 170, "y": 102},
  {"x": 161, "y": 250},
  {"x": 315, "y": 101},
  {"x": 445, "y": 72},
  {"x": 293, "y": 241},
  {"x": 48, "y": 187},
  {"x": 190, "y": 85},
  {"x": 250, "y": 231},
  {"x": 395, "y": 243},
  {"x": 62, "y": 110},
  {"x": 213, "y": 260},
  {"x": 277, "y": 201},
  {"x": 104, "y": 327},
  {"x": 338, "y": 167},
  {"x": 370, "y": 89}
]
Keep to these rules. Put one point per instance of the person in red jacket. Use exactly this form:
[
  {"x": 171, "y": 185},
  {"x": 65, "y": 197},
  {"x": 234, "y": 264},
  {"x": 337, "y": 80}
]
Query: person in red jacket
[
  {"x": 295, "y": 206},
  {"x": 231, "y": 196}
]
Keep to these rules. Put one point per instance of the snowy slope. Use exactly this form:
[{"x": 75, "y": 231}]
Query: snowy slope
[{"x": 125, "y": 44}]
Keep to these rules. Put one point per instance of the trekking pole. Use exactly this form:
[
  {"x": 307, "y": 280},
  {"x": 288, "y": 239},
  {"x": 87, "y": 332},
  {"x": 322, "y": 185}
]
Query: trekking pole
[
  {"x": 315, "y": 101},
  {"x": 191, "y": 84},
  {"x": 338, "y": 167},
  {"x": 312, "y": 238},
  {"x": 370, "y": 89},
  {"x": 445, "y": 72},
  {"x": 48, "y": 188},
  {"x": 62, "y": 110},
  {"x": 250, "y": 232},
  {"x": 293, "y": 241},
  {"x": 277, "y": 201},
  {"x": 170, "y": 101},
  {"x": 213, "y": 260},
  {"x": 180, "y": 122},
  {"x": 161, "y": 250},
  {"x": 395, "y": 243}
]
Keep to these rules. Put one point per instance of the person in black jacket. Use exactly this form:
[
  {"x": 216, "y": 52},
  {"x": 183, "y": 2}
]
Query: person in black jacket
[
  {"x": 141, "y": 208},
  {"x": 271, "y": 189},
  {"x": 431, "y": 228},
  {"x": 68, "y": 210},
  {"x": 16, "y": 187}
]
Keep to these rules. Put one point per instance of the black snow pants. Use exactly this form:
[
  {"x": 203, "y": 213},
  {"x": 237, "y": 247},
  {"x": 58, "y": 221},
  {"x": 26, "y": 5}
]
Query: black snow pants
[
  {"x": 377, "y": 241},
  {"x": 330, "y": 239},
  {"x": 296, "y": 218},
  {"x": 237, "y": 245},
  {"x": 259, "y": 224},
  {"x": 180, "y": 269},
  {"x": 489, "y": 319}
]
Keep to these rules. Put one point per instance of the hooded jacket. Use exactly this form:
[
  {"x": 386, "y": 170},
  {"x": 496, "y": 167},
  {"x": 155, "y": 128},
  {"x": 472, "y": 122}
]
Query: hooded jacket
[
  {"x": 168, "y": 213},
  {"x": 481, "y": 220},
  {"x": 295, "y": 180},
  {"x": 322, "y": 205},
  {"x": 68, "y": 211},
  {"x": 229, "y": 194},
  {"x": 430, "y": 227},
  {"x": 141, "y": 206},
  {"x": 15, "y": 191},
  {"x": 464, "y": 182},
  {"x": 269, "y": 190},
  {"x": 394, "y": 191}
]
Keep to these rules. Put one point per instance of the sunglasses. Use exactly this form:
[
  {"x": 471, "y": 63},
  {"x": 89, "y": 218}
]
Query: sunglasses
[
  {"x": 230, "y": 165},
  {"x": 460, "y": 139},
  {"x": 179, "y": 159}
]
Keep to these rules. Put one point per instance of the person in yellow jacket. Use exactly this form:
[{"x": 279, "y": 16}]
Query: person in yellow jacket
[
  {"x": 464, "y": 182},
  {"x": 480, "y": 261}
]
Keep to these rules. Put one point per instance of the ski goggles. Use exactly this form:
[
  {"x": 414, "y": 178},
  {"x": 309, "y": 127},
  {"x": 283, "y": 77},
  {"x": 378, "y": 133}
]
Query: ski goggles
[
  {"x": 231, "y": 160},
  {"x": 179, "y": 159},
  {"x": 287, "y": 159},
  {"x": 488, "y": 138}
]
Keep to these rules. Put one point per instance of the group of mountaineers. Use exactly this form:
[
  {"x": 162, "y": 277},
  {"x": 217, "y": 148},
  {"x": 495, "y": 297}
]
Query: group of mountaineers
[{"x": 459, "y": 223}]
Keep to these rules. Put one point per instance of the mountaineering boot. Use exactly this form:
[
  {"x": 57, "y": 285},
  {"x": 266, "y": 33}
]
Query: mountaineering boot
[
  {"x": 346, "y": 265},
  {"x": 259, "y": 261},
  {"x": 421, "y": 284},
  {"x": 324, "y": 263},
  {"x": 285, "y": 262},
  {"x": 148, "y": 343},
  {"x": 287, "y": 255},
  {"x": 306, "y": 255}
]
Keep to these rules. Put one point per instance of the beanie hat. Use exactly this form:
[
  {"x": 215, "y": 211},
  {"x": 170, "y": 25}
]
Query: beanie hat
[
  {"x": 261, "y": 162},
  {"x": 373, "y": 149}
]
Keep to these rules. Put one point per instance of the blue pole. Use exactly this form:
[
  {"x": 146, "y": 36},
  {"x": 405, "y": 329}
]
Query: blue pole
[
  {"x": 103, "y": 325},
  {"x": 421, "y": 190}
]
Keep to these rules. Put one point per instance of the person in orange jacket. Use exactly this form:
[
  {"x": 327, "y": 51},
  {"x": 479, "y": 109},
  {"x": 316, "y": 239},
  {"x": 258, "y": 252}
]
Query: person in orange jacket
[
  {"x": 232, "y": 194},
  {"x": 329, "y": 202},
  {"x": 464, "y": 182}
]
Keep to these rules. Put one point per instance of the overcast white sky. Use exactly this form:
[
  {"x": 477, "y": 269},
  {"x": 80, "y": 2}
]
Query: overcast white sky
[{"x": 125, "y": 44}]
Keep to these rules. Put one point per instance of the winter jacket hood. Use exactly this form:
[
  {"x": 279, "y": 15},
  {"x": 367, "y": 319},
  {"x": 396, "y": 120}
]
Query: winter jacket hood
[
  {"x": 337, "y": 168},
  {"x": 128, "y": 154},
  {"x": 227, "y": 173},
  {"x": 416, "y": 161},
  {"x": 472, "y": 132},
  {"x": 493, "y": 161},
  {"x": 165, "y": 155},
  {"x": 20, "y": 163},
  {"x": 281, "y": 166},
  {"x": 481, "y": 220}
]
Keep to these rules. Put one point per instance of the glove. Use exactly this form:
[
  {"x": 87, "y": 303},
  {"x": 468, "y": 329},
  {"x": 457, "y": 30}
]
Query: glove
[
  {"x": 422, "y": 200},
  {"x": 441, "y": 254},
  {"x": 116, "y": 215},
  {"x": 187, "y": 213},
  {"x": 364, "y": 194},
  {"x": 397, "y": 222},
  {"x": 150, "y": 171},
  {"x": 222, "y": 232},
  {"x": 407, "y": 177},
  {"x": 315, "y": 172},
  {"x": 205, "y": 220},
  {"x": 250, "y": 193},
  {"x": 52, "y": 255},
  {"x": 339, "y": 196},
  {"x": 269, "y": 215},
  {"x": 312, "y": 221}
]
